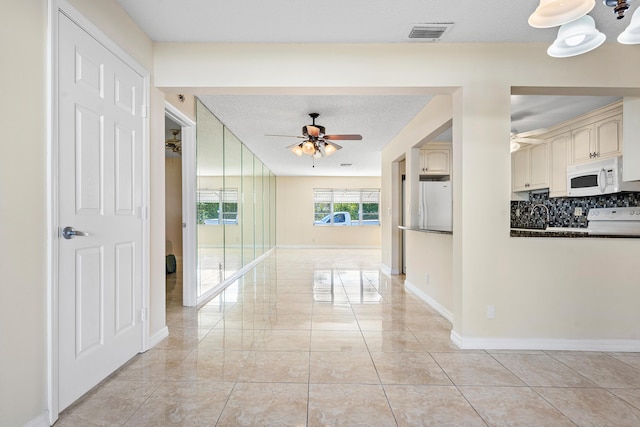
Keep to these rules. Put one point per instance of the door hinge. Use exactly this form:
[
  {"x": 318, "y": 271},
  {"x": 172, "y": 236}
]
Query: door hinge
[
  {"x": 143, "y": 315},
  {"x": 145, "y": 111},
  {"x": 144, "y": 212}
]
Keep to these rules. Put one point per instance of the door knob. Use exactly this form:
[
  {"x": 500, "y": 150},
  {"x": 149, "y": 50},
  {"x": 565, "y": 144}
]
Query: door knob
[{"x": 69, "y": 232}]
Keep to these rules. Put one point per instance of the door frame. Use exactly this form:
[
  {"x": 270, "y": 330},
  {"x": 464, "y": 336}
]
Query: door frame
[
  {"x": 189, "y": 225},
  {"x": 54, "y": 8}
]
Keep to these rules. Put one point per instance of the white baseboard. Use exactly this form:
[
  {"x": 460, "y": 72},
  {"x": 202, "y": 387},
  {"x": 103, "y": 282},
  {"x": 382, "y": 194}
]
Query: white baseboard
[
  {"x": 384, "y": 269},
  {"x": 327, "y": 247},
  {"x": 41, "y": 421},
  {"x": 545, "y": 344},
  {"x": 456, "y": 338},
  {"x": 207, "y": 296},
  {"x": 158, "y": 336},
  {"x": 426, "y": 298}
]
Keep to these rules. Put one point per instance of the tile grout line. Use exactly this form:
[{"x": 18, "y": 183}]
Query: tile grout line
[
  {"x": 460, "y": 391},
  {"x": 533, "y": 389}
]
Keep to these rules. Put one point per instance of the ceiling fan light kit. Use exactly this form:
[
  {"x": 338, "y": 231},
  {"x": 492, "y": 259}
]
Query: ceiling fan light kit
[
  {"x": 517, "y": 139},
  {"x": 577, "y": 33},
  {"x": 514, "y": 146},
  {"x": 174, "y": 144},
  {"x": 317, "y": 144}
]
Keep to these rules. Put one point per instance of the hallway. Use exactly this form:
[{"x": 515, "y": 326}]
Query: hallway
[{"x": 322, "y": 338}]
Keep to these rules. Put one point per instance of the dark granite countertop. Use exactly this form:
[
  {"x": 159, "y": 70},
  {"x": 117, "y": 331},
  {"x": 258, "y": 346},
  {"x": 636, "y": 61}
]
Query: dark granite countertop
[{"x": 567, "y": 232}]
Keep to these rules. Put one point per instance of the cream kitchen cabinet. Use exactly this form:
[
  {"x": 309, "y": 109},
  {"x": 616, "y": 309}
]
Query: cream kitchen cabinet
[
  {"x": 558, "y": 147},
  {"x": 435, "y": 161},
  {"x": 597, "y": 140},
  {"x": 530, "y": 168}
]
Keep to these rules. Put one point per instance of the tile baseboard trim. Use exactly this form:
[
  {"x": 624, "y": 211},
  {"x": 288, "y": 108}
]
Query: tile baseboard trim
[
  {"x": 158, "y": 336},
  {"x": 545, "y": 344},
  {"x": 41, "y": 421},
  {"x": 429, "y": 300}
]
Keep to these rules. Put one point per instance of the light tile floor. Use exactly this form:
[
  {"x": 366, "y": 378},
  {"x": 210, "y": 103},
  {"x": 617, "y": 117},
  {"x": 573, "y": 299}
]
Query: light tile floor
[{"x": 322, "y": 338}]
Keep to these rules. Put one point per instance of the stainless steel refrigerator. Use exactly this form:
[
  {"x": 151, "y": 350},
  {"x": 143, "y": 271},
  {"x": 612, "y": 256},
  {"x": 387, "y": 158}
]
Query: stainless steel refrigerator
[{"x": 436, "y": 205}]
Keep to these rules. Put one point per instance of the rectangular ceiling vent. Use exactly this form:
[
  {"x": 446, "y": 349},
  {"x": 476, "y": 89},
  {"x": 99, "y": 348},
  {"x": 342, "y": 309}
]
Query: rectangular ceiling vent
[{"x": 429, "y": 32}]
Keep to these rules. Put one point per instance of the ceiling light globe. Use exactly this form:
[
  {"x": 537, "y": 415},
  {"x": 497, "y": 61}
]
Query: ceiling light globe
[
  {"x": 575, "y": 40},
  {"x": 632, "y": 34},
  {"x": 329, "y": 149},
  {"x": 297, "y": 150},
  {"x": 565, "y": 44},
  {"x": 308, "y": 148},
  {"x": 553, "y": 13}
]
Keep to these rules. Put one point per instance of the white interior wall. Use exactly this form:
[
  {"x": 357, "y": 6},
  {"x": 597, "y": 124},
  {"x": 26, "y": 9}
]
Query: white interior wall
[
  {"x": 294, "y": 214},
  {"x": 531, "y": 274},
  {"x": 23, "y": 214},
  {"x": 480, "y": 78},
  {"x": 429, "y": 269}
]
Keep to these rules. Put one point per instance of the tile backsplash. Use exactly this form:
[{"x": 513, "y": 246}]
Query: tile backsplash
[{"x": 528, "y": 214}]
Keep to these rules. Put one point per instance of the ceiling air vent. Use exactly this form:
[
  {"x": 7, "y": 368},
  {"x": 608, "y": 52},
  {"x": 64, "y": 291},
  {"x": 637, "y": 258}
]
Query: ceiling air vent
[{"x": 429, "y": 32}]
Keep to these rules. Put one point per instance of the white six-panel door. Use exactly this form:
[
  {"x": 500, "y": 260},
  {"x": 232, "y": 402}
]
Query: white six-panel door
[{"x": 100, "y": 193}]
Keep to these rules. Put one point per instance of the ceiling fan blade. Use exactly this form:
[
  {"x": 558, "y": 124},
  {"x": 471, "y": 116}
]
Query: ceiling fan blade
[
  {"x": 334, "y": 145},
  {"x": 293, "y": 145},
  {"x": 351, "y": 137},
  {"x": 313, "y": 131},
  {"x": 532, "y": 133},
  {"x": 286, "y": 136}
]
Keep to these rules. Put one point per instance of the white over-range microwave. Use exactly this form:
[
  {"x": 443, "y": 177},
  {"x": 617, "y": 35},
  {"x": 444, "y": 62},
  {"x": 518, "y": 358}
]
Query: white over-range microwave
[{"x": 598, "y": 177}]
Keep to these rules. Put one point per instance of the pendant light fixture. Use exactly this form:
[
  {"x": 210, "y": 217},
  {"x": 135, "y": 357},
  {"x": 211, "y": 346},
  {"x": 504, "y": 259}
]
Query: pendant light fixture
[
  {"x": 577, "y": 33},
  {"x": 576, "y": 37},
  {"x": 552, "y": 13},
  {"x": 632, "y": 34}
]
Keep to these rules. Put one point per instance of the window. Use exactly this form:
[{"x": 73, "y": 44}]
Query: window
[
  {"x": 346, "y": 207},
  {"x": 216, "y": 204}
]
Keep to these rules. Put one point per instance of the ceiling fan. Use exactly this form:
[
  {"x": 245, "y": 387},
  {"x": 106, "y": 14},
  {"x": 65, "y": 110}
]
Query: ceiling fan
[
  {"x": 517, "y": 139},
  {"x": 174, "y": 144},
  {"x": 316, "y": 143}
]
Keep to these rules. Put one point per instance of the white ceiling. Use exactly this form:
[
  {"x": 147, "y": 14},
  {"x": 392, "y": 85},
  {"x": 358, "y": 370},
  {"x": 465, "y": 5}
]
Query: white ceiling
[
  {"x": 353, "y": 21},
  {"x": 377, "y": 118}
]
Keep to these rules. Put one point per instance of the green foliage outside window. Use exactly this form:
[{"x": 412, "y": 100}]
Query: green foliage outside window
[
  {"x": 210, "y": 209},
  {"x": 207, "y": 210},
  {"x": 352, "y": 208}
]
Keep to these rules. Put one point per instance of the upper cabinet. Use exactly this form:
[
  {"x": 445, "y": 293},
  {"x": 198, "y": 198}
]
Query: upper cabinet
[
  {"x": 435, "y": 161},
  {"x": 597, "y": 140},
  {"x": 530, "y": 168},
  {"x": 558, "y": 155},
  {"x": 594, "y": 135}
]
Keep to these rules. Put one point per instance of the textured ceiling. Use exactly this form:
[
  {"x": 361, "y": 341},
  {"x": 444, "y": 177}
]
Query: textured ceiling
[
  {"x": 377, "y": 118},
  {"x": 353, "y": 21}
]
